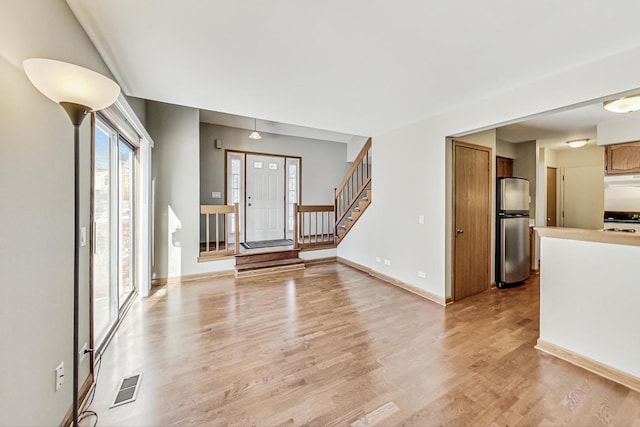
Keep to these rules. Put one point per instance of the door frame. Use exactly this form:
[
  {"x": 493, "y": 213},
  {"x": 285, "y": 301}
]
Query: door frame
[
  {"x": 243, "y": 220},
  {"x": 555, "y": 187},
  {"x": 489, "y": 150}
]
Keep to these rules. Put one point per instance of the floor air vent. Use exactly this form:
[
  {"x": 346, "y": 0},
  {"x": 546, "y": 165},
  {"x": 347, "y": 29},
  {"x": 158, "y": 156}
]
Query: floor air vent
[{"x": 128, "y": 390}]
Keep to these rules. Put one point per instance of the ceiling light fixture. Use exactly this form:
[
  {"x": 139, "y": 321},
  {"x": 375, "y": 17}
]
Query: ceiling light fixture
[
  {"x": 255, "y": 134},
  {"x": 577, "y": 143},
  {"x": 627, "y": 104}
]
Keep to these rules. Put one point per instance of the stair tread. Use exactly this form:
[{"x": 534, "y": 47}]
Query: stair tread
[
  {"x": 267, "y": 264},
  {"x": 249, "y": 258}
]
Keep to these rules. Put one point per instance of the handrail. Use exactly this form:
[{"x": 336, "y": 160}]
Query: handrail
[
  {"x": 363, "y": 151},
  {"x": 218, "y": 210},
  {"x": 358, "y": 177},
  {"x": 313, "y": 226}
]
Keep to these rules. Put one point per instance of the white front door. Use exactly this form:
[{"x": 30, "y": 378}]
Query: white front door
[{"x": 264, "y": 198}]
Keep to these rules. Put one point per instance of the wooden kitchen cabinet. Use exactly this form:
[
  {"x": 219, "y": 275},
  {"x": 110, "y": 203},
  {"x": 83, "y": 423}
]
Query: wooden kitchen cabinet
[
  {"x": 622, "y": 158},
  {"x": 504, "y": 166}
]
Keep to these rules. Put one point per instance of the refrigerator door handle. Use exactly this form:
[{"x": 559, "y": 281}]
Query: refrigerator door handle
[{"x": 503, "y": 245}]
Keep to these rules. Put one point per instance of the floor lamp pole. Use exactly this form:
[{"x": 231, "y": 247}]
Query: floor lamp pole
[
  {"x": 76, "y": 267},
  {"x": 76, "y": 113}
]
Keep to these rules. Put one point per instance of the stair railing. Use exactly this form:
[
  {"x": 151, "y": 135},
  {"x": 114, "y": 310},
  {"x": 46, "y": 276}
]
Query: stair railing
[
  {"x": 313, "y": 226},
  {"x": 219, "y": 217},
  {"x": 354, "y": 184}
]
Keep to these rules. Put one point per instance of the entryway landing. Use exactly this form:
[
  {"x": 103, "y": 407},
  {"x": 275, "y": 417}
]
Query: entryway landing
[{"x": 253, "y": 262}]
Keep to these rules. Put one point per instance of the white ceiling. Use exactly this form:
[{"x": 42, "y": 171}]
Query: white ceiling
[
  {"x": 554, "y": 129},
  {"x": 358, "y": 67}
]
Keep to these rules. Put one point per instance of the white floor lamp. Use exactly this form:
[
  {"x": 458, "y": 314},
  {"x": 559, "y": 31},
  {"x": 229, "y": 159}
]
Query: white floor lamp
[{"x": 79, "y": 91}]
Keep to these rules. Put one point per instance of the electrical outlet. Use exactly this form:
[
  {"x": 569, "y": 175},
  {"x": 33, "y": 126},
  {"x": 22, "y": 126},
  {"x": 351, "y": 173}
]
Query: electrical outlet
[
  {"x": 422, "y": 274},
  {"x": 82, "y": 353},
  {"x": 216, "y": 195},
  {"x": 378, "y": 259},
  {"x": 59, "y": 375},
  {"x": 387, "y": 262}
]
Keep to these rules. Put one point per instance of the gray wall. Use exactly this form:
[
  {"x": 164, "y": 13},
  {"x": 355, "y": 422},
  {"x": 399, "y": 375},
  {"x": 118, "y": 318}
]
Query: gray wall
[
  {"x": 139, "y": 107},
  {"x": 524, "y": 166},
  {"x": 36, "y": 213},
  {"x": 323, "y": 163},
  {"x": 176, "y": 182}
]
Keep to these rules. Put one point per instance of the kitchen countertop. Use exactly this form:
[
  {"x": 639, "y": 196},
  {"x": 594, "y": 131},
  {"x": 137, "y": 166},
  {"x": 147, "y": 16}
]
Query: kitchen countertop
[{"x": 618, "y": 238}]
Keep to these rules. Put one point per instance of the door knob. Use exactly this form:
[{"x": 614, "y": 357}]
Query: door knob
[
  {"x": 459, "y": 231},
  {"x": 249, "y": 204}
]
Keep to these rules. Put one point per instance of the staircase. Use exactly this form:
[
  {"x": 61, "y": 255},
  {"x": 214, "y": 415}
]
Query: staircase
[
  {"x": 343, "y": 228},
  {"x": 353, "y": 196},
  {"x": 254, "y": 264}
]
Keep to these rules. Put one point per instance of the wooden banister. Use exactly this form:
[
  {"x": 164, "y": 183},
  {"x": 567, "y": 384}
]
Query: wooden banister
[
  {"x": 358, "y": 193},
  {"x": 352, "y": 187},
  {"x": 220, "y": 247},
  {"x": 313, "y": 226},
  {"x": 364, "y": 152}
]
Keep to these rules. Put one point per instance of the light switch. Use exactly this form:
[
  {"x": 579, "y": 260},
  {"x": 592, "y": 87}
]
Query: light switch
[
  {"x": 216, "y": 195},
  {"x": 420, "y": 219},
  {"x": 83, "y": 236}
]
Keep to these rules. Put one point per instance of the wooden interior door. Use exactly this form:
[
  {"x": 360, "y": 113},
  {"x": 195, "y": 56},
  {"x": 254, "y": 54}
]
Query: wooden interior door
[
  {"x": 551, "y": 197},
  {"x": 471, "y": 219},
  {"x": 504, "y": 166}
]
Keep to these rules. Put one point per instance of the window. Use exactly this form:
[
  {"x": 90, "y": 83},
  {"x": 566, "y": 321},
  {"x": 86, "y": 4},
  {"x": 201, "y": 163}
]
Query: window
[
  {"x": 114, "y": 203},
  {"x": 235, "y": 192},
  {"x": 235, "y": 189},
  {"x": 292, "y": 182}
]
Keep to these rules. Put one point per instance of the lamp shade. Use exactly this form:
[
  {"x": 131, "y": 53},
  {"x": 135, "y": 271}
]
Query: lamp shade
[
  {"x": 64, "y": 82},
  {"x": 255, "y": 135}
]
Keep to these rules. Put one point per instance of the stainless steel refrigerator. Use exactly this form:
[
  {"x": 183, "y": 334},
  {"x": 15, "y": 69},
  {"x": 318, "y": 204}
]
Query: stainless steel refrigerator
[{"x": 512, "y": 232}]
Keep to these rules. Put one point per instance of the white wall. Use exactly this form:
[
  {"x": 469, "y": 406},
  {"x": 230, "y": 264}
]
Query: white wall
[
  {"x": 36, "y": 189},
  {"x": 354, "y": 146},
  {"x": 619, "y": 131},
  {"x": 176, "y": 177},
  {"x": 409, "y": 175},
  {"x": 506, "y": 149},
  {"x": 588, "y": 301}
]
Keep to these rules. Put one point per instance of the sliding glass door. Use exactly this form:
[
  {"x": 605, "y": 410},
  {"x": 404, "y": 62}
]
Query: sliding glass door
[{"x": 113, "y": 228}]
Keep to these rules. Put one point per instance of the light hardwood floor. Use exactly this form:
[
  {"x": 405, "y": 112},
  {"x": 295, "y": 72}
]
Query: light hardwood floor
[{"x": 331, "y": 345}]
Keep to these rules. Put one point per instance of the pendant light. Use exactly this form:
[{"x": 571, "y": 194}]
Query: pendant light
[{"x": 255, "y": 134}]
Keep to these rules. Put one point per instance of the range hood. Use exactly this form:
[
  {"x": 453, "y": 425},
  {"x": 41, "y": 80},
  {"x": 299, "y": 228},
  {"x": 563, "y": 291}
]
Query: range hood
[{"x": 622, "y": 194}]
